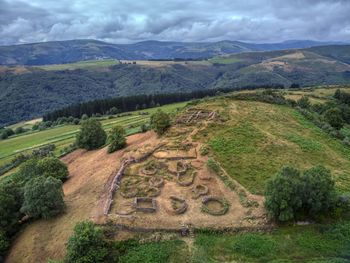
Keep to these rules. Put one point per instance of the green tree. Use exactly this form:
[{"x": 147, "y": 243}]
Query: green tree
[
  {"x": 283, "y": 198},
  {"x": 160, "y": 122},
  {"x": 10, "y": 203},
  {"x": 43, "y": 197},
  {"x": 87, "y": 244},
  {"x": 4, "y": 244},
  {"x": 334, "y": 117},
  {"x": 116, "y": 139},
  {"x": 91, "y": 135},
  {"x": 54, "y": 167},
  {"x": 29, "y": 169},
  {"x": 318, "y": 189}
]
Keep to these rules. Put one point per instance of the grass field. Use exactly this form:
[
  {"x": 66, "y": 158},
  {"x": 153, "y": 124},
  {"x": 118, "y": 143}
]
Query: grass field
[
  {"x": 88, "y": 64},
  {"x": 318, "y": 243},
  {"x": 63, "y": 135},
  {"x": 259, "y": 139},
  {"x": 224, "y": 60}
]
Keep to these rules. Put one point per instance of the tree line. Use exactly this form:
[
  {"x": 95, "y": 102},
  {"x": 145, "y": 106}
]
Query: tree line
[{"x": 138, "y": 102}]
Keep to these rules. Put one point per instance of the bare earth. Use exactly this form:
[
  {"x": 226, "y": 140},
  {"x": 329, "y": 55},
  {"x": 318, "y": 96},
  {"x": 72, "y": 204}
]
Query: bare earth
[{"x": 89, "y": 172}]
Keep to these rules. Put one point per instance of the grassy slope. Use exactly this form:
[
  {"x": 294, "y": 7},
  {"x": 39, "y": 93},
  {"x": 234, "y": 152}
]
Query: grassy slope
[
  {"x": 321, "y": 244},
  {"x": 260, "y": 138},
  {"x": 63, "y": 135}
]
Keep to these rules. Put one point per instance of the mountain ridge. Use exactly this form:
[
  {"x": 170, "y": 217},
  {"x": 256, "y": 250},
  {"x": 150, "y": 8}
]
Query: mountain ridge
[{"x": 69, "y": 51}]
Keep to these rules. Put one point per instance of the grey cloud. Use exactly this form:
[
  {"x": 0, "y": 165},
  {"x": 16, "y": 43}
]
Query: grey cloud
[{"x": 122, "y": 21}]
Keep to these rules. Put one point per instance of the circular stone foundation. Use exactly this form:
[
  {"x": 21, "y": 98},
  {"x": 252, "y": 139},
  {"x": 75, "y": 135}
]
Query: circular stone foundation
[
  {"x": 156, "y": 182},
  {"x": 215, "y": 206},
  {"x": 199, "y": 190},
  {"x": 178, "y": 205},
  {"x": 185, "y": 182}
]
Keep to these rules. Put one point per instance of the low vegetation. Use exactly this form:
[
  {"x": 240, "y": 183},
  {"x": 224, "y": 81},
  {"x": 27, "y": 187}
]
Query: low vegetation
[
  {"x": 160, "y": 122},
  {"x": 116, "y": 139}
]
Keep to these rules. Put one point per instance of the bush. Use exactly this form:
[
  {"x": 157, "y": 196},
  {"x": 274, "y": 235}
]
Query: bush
[
  {"x": 91, "y": 135},
  {"x": 52, "y": 166},
  {"x": 43, "y": 197},
  {"x": 19, "y": 130},
  {"x": 290, "y": 194},
  {"x": 160, "y": 122},
  {"x": 86, "y": 245},
  {"x": 116, "y": 139},
  {"x": 334, "y": 118},
  {"x": 212, "y": 165},
  {"x": 304, "y": 102}
]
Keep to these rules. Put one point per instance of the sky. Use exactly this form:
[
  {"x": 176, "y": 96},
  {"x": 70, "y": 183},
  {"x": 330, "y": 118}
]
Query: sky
[{"x": 125, "y": 21}]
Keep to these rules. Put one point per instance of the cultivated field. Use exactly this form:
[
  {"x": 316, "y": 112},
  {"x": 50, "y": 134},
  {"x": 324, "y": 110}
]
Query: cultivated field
[{"x": 63, "y": 135}]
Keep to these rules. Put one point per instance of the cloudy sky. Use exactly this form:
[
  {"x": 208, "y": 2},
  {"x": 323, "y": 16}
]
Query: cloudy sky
[{"x": 125, "y": 21}]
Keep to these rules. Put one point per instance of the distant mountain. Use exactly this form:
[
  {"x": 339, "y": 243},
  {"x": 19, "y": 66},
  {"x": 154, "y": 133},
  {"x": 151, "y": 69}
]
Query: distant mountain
[
  {"x": 27, "y": 92},
  {"x": 59, "y": 52}
]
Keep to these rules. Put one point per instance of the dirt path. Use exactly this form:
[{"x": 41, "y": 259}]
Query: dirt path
[{"x": 89, "y": 172}]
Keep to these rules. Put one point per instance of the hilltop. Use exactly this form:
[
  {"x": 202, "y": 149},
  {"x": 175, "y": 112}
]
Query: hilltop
[{"x": 236, "y": 132}]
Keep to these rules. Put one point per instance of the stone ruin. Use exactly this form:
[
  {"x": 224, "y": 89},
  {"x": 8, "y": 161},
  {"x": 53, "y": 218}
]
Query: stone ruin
[{"x": 145, "y": 204}]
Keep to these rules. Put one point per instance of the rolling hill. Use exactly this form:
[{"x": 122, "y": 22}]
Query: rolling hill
[
  {"x": 56, "y": 86},
  {"x": 77, "y": 50}
]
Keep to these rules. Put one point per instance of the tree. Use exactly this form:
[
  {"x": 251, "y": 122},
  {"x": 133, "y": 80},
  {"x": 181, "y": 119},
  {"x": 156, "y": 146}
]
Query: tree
[
  {"x": 86, "y": 245},
  {"x": 4, "y": 244},
  {"x": 19, "y": 130},
  {"x": 334, "y": 117},
  {"x": 54, "y": 167},
  {"x": 318, "y": 189},
  {"x": 43, "y": 197},
  {"x": 160, "y": 122},
  {"x": 91, "y": 135},
  {"x": 283, "y": 196},
  {"x": 10, "y": 203},
  {"x": 116, "y": 139},
  {"x": 29, "y": 169}
]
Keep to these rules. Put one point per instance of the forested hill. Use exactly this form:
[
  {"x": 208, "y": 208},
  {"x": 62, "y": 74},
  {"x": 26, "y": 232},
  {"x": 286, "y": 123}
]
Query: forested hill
[
  {"x": 77, "y": 50},
  {"x": 35, "y": 91}
]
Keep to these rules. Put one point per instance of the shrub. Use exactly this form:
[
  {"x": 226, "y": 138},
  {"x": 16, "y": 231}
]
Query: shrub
[
  {"x": 52, "y": 166},
  {"x": 212, "y": 165},
  {"x": 84, "y": 117},
  {"x": 43, "y": 197},
  {"x": 334, "y": 118},
  {"x": 116, "y": 139},
  {"x": 86, "y": 245},
  {"x": 283, "y": 197},
  {"x": 91, "y": 135},
  {"x": 303, "y": 102},
  {"x": 19, "y": 130},
  {"x": 160, "y": 122}
]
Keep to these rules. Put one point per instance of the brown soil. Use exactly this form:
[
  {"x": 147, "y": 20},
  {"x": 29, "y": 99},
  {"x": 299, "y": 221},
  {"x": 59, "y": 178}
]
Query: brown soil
[{"x": 89, "y": 172}]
